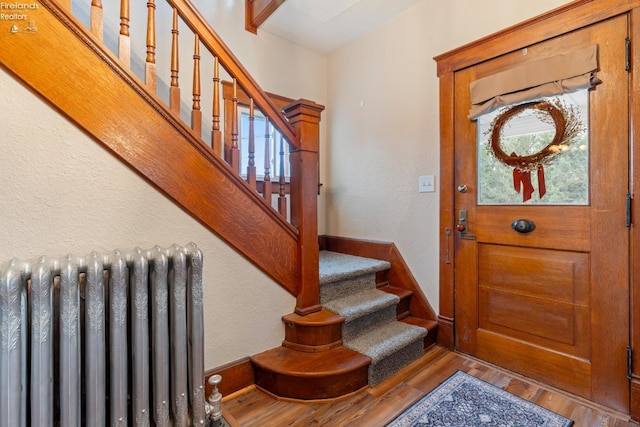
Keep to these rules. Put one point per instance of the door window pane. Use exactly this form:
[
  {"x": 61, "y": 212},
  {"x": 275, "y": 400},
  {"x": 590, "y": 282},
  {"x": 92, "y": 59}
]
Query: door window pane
[{"x": 552, "y": 171}]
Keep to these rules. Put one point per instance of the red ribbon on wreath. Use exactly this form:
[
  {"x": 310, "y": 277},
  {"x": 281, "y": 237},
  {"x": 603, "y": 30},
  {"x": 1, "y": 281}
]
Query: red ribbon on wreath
[
  {"x": 567, "y": 126},
  {"x": 522, "y": 180}
]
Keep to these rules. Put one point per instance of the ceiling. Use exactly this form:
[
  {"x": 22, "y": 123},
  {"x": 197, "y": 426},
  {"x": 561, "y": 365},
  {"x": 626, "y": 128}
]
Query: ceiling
[{"x": 325, "y": 25}]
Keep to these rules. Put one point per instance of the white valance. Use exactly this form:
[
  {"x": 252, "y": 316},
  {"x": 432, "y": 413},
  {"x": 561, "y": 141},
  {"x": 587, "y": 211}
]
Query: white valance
[{"x": 563, "y": 73}]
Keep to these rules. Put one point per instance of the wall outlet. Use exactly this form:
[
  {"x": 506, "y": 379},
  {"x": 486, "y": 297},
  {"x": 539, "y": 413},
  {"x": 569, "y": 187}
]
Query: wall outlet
[{"x": 426, "y": 184}]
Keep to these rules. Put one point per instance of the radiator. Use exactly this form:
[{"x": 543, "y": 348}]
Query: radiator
[{"x": 105, "y": 339}]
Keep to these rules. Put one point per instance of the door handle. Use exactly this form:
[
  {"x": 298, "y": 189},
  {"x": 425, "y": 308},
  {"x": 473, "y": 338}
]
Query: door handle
[
  {"x": 462, "y": 224},
  {"x": 462, "y": 221},
  {"x": 523, "y": 225}
]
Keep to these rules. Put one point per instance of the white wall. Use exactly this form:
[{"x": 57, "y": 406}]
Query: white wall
[
  {"x": 382, "y": 114},
  {"x": 63, "y": 193}
]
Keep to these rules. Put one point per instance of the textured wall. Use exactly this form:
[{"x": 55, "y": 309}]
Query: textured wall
[
  {"x": 383, "y": 124},
  {"x": 63, "y": 193}
]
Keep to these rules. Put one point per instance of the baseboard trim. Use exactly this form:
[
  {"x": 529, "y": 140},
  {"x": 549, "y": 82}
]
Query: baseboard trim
[
  {"x": 236, "y": 376},
  {"x": 445, "y": 332}
]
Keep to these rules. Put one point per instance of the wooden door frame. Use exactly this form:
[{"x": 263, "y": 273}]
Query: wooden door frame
[{"x": 570, "y": 17}]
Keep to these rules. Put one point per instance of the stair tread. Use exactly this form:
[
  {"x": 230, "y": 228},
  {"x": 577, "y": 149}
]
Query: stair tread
[
  {"x": 384, "y": 340},
  {"x": 336, "y": 266},
  {"x": 361, "y": 303},
  {"x": 296, "y": 363},
  {"x": 401, "y": 292},
  {"x": 319, "y": 318},
  {"x": 418, "y": 321}
]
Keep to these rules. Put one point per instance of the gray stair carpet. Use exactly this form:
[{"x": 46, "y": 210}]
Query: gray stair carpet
[{"x": 348, "y": 288}]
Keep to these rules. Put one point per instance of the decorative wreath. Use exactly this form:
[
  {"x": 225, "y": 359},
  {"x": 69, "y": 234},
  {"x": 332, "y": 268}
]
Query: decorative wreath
[{"x": 567, "y": 126}]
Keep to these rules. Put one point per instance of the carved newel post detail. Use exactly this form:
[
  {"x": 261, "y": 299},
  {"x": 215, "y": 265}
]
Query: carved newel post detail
[{"x": 304, "y": 116}]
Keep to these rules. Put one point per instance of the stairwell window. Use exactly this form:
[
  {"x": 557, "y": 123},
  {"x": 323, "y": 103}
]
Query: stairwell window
[
  {"x": 274, "y": 151},
  {"x": 275, "y": 137}
]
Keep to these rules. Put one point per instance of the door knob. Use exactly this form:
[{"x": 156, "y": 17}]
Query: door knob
[
  {"x": 462, "y": 188},
  {"x": 523, "y": 225},
  {"x": 461, "y": 226}
]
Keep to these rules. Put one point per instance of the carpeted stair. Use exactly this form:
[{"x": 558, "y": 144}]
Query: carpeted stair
[{"x": 348, "y": 288}]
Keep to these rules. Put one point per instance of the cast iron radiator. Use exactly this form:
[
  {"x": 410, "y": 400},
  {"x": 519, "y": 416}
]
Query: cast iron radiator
[{"x": 105, "y": 339}]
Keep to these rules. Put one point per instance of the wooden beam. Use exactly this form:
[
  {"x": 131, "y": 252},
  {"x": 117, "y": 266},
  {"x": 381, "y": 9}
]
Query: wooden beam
[{"x": 257, "y": 11}]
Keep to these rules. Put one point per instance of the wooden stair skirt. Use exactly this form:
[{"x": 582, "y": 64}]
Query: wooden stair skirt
[{"x": 312, "y": 363}]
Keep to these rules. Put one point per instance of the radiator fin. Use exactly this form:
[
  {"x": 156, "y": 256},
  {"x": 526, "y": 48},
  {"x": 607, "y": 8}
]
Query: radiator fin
[{"x": 103, "y": 339}]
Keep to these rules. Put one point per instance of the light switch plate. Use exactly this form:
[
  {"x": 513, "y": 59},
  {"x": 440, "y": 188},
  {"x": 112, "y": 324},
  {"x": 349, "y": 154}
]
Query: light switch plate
[{"x": 426, "y": 184}]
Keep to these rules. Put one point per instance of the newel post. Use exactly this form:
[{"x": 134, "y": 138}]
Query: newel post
[{"x": 304, "y": 116}]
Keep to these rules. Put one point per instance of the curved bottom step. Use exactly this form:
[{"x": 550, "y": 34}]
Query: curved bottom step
[{"x": 302, "y": 375}]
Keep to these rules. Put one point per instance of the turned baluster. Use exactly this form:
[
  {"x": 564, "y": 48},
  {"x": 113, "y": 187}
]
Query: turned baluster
[
  {"x": 196, "y": 114},
  {"x": 124, "y": 40},
  {"x": 174, "y": 95},
  {"x": 267, "y": 162},
  {"x": 251, "y": 166},
  {"x": 150, "y": 62},
  {"x": 97, "y": 23},
  {"x": 234, "y": 154},
  {"x": 282, "y": 200},
  {"x": 216, "y": 135}
]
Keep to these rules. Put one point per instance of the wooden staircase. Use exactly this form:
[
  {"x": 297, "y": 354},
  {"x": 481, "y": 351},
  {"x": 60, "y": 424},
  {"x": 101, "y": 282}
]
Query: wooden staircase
[
  {"x": 312, "y": 363},
  {"x": 69, "y": 66},
  {"x": 404, "y": 312},
  {"x": 171, "y": 154},
  {"x": 413, "y": 308}
]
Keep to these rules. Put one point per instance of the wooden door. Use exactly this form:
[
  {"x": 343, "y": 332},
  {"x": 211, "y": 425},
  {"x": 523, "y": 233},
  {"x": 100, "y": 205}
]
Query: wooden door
[{"x": 553, "y": 303}]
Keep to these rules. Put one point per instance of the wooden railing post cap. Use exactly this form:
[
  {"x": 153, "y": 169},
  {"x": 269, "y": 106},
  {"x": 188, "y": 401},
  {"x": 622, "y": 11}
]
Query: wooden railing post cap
[{"x": 303, "y": 107}]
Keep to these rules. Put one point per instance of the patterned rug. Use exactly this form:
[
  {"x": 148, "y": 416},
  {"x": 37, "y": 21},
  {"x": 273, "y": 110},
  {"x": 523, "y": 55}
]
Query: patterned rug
[{"x": 465, "y": 401}]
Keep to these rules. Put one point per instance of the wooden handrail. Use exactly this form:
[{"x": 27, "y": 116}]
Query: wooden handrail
[
  {"x": 214, "y": 43},
  {"x": 286, "y": 251}
]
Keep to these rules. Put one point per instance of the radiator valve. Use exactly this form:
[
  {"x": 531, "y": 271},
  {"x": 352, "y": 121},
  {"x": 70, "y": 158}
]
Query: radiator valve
[{"x": 213, "y": 406}]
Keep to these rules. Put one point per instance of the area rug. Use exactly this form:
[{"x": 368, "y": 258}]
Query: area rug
[{"x": 465, "y": 401}]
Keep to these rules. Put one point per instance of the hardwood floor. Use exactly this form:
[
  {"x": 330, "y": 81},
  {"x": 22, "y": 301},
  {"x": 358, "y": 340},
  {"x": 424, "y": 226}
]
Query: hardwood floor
[{"x": 377, "y": 406}]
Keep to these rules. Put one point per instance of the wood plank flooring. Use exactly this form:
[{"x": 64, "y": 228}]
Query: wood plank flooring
[{"x": 377, "y": 406}]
